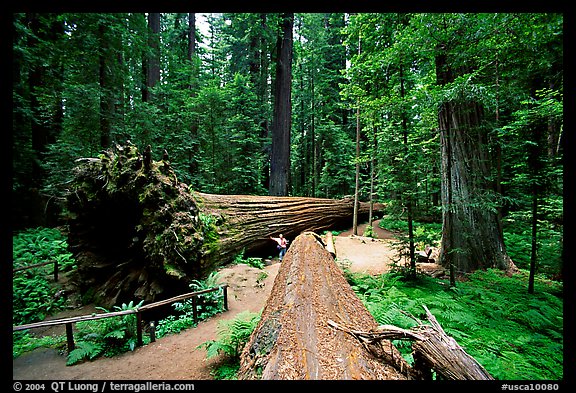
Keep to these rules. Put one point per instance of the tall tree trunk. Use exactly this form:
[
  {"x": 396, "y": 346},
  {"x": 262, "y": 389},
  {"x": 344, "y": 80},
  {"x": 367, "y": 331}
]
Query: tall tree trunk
[
  {"x": 538, "y": 138},
  {"x": 191, "y": 36},
  {"x": 534, "y": 243},
  {"x": 263, "y": 97},
  {"x": 194, "y": 152},
  {"x": 281, "y": 123},
  {"x": 106, "y": 99},
  {"x": 408, "y": 184},
  {"x": 372, "y": 172},
  {"x": 42, "y": 133},
  {"x": 357, "y": 167},
  {"x": 313, "y": 143},
  {"x": 357, "y": 173},
  {"x": 38, "y": 114},
  {"x": 471, "y": 238},
  {"x": 152, "y": 61}
]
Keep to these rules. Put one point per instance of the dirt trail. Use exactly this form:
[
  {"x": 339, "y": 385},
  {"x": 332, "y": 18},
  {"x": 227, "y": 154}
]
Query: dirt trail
[
  {"x": 177, "y": 357},
  {"x": 365, "y": 254}
]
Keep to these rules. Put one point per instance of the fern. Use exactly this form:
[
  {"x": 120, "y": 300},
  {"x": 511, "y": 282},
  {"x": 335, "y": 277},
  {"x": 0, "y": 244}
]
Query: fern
[
  {"x": 514, "y": 335},
  {"x": 232, "y": 336},
  {"x": 84, "y": 350},
  {"x": 208, "y": 304},
  {"x": 105, "y": 337}
]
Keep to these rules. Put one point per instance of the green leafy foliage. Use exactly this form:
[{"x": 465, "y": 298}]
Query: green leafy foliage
[
  {"x": 233, "y": 335},
  {"x": 23, "y": 341},
  {"x": 35, "y": 294},
  {"x": 207, "y": 305},
  {"x": 518, "y": 237},
  {"x": 513, "y": 334},
  {"x": 106, "y": 336},
  {"x": 251, "y": 261}
]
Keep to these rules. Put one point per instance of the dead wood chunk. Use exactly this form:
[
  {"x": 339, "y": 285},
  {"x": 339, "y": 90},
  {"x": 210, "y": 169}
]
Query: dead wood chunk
[
  {"x": 294, "y": 340},
  {"x": 445, "y": 355}
]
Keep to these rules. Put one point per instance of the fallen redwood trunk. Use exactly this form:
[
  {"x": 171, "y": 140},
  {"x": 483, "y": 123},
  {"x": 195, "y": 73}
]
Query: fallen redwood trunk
[
  {"x": 293, "y": 339},
  {"x": 247, "y": 221},
  {"x": 140, "y": 234}
]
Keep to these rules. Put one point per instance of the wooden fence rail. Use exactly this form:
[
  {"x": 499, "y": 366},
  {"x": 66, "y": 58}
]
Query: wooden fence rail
[
  {"x": 69, "y": 322},
  {"x": 55, "y": 262}
]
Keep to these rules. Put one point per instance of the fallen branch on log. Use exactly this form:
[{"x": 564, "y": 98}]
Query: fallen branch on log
[{"x": 432, "y": 349}]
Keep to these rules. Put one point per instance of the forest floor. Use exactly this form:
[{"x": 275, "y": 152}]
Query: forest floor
[{"x": 178, "y": 356}]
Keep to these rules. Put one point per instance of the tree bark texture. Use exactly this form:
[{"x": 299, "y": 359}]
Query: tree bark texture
[
  {"x": 137, "y": 232},
  {"x": 471, "y": 238},
  {"x": 282, "y": 114},
  {"x": 294, "y": 339},
  {"x": 151, "y": 63}
]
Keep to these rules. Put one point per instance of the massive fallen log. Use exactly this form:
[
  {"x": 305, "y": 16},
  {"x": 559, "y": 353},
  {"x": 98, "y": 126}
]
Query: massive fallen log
[
  {"x": 293, "y": 339},
  {"x": 140, "y": 234}
]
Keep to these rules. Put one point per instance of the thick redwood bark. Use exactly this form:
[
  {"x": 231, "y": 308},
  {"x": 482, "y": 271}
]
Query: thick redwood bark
[
  {"x": 137, "y": 232},
  {"x": 294, "y": 338},
  {"x": 151, "y": 62},
  {"x": 471, "y": 236},
  {"x": 282, "y": 118}
]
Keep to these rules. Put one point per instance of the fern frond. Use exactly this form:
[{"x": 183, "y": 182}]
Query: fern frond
[
  {"x": 84, "y": 350},
  {"x": 119, "y": 334}
]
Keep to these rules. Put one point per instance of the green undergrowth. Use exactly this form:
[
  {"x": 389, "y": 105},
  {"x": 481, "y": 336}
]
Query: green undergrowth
[
  {"x": 513, "y": 334},
  {"x": 35, "y": 294},
  {"x": 208, "y": 305},
  {"x": 233, "y": 335},
  {"x": 105, "y": 337}
]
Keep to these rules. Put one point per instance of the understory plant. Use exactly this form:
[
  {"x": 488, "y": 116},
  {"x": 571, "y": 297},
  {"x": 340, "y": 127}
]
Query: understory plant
[
  {"x": 207, "y": 305},
  {"x": 513, "y": 334},
  {"x": 251, "y": 261},
  {"x": 233, "y": 335},
  {"x": 105, "y": 337},
  {"x": 35, "y": 294}
]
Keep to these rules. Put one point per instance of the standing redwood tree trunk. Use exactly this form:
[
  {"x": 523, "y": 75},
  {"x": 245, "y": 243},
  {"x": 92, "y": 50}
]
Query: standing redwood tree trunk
[
  {"x": 106, "y": 99},
  {"x": 282, "y": 117},
  {"x": 151, "y": 63},
  {"x": 471, "y": 238}
]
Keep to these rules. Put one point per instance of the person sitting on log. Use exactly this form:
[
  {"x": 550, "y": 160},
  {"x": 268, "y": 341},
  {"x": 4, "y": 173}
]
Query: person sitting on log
[{"x": 281, "y": 246}]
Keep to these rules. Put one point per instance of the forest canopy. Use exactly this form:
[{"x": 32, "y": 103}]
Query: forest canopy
[{"x": 448, "y": 117}]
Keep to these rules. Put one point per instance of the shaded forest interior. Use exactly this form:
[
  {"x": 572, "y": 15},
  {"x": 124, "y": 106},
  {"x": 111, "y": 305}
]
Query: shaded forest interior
[{"x": 452, "y": 118}]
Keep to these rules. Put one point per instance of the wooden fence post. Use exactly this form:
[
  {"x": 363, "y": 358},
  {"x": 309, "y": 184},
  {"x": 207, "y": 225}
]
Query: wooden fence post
[
  {"x": 225, "y": 295},
  {"x": 152, "y": 332},
  {"x": 139, "y": 341},
  {"x": 70, "y": 337},
  {"x": 194, "y": 312},
  {"x": 55, "y": 270}
]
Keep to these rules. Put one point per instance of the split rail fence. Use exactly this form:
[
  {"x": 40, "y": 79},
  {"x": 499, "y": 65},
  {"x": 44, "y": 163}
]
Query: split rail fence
[
  {"x": 69, "y": 322},
  {"x": 55, "y": 262}
]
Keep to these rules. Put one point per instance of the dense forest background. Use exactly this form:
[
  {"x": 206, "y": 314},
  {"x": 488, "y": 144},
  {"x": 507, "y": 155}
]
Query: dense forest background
[{"x": 452, "y": 118}]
